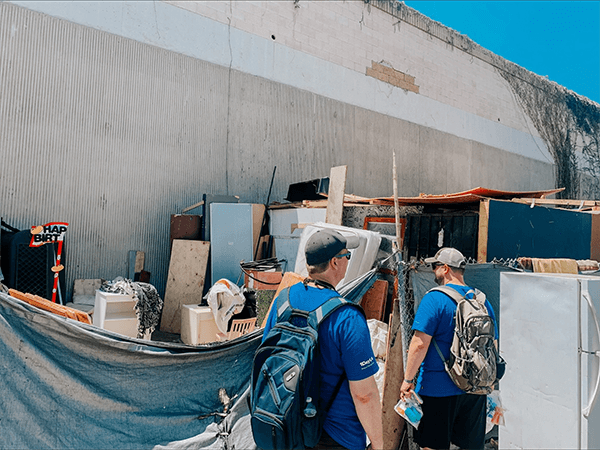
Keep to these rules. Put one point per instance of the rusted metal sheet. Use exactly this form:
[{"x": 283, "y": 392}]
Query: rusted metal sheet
[{"x": 186, "y": 226}]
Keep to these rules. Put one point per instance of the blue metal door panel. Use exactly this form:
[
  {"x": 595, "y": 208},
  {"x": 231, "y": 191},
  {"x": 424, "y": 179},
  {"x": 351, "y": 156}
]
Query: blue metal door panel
[{"x": 230, "y": 239}]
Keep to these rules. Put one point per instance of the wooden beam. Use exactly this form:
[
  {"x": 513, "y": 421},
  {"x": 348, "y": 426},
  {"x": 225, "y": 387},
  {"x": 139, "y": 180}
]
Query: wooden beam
[
  {"x": 337, "y": 186},
  {"x": 195, "y": 205},
  {"x": 482, "y": 237},
  {"x": 393, "y": 424},
  {"x": 557, "y": 202}
]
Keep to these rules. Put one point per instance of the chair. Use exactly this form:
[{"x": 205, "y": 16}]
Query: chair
[{"x": 238, "y": 328}]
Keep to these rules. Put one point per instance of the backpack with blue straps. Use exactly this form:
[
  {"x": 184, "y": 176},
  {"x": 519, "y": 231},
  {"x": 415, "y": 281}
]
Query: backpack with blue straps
[{"x": 286, "y": 411}]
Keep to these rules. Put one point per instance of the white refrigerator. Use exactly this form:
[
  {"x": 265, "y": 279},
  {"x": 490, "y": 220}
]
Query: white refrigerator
[{"x": 549, "y": 337}]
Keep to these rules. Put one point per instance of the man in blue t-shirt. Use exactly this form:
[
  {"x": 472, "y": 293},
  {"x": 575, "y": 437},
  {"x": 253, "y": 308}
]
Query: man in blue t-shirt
[
  {"x": 449, "y": 414},
  {"x": 345, "y": 348}
]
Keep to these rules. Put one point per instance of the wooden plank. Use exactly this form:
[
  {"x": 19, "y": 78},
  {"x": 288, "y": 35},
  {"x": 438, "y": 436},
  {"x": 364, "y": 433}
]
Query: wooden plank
[
  {"x": 195, "y": 205},
  {"x": 595, "y": 238},
  {"x": 374, "y": 300},
  {"x": 393, "y": 424},
  {"x": 185, "y": 282},
  {"x": 258, "y": 212},
  {"x": 277, "y": 205},
  {"x": 482, "y": 236},
  {"x": 289, "y": 279},
  {"x": 315, "y": 203},
  {"x": 337, "y": 186},
  {"x": 558, "y": 202}
]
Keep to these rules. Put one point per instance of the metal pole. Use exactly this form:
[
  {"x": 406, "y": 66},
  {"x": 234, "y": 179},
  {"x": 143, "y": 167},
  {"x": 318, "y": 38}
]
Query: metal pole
[{"x": 265, "y": 214}]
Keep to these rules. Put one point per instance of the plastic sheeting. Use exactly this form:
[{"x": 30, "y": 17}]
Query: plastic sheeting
[{"x": 67, "y": 385}]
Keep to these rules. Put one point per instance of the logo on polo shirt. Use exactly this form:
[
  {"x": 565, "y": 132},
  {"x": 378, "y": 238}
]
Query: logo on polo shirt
[{"x": 368, "y": 362}]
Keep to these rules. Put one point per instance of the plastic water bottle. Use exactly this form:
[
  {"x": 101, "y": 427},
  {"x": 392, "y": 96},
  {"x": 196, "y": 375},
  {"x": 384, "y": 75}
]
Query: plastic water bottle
[{"x": 310, "y": 410}]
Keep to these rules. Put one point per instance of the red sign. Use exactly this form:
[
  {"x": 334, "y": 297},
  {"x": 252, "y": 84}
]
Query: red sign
[{"x": 44, "y": 234}]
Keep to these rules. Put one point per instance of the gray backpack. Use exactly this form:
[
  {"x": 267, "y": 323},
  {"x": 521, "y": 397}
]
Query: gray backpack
[{"x": 473, "y": 354}]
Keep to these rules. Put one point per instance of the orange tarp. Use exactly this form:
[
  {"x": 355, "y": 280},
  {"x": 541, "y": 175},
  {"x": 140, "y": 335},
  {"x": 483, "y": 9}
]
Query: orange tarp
[{"x": 47, "y": 305}]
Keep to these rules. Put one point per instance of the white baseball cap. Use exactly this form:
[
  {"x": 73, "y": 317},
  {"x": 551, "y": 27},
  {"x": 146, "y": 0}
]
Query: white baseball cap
[{"x": 449, "y": 256}]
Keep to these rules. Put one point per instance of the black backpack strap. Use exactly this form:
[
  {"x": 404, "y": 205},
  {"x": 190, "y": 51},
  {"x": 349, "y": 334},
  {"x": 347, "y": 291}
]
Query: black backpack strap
[
  {"x": 437, "y": 347},
  {"x": 334, "y": 394},
  {"x": 320, "y": 314}
]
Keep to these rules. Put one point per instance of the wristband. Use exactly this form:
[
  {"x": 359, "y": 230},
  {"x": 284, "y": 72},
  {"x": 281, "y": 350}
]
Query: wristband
[{"x": 409, "y": 381}]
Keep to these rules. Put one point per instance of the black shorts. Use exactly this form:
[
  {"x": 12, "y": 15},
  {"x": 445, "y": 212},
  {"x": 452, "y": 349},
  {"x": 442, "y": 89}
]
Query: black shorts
[{"x": 459, "y": 419}]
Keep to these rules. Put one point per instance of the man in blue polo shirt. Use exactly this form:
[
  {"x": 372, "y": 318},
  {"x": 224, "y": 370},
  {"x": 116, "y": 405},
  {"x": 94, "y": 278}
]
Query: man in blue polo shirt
[
  {"x": 345, "y": 348},
  {"x": 449, "y": 414}
]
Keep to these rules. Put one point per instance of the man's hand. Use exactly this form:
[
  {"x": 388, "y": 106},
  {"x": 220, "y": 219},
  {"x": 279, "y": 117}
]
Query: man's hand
[{"x": 406, "y": 390}]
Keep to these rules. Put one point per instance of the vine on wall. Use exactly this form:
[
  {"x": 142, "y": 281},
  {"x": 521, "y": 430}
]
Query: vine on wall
[
  {"x": 570, "y": 127},
  {"x": 569, "y": 124}
]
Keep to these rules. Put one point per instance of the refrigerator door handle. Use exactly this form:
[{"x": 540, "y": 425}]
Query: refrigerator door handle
[{"x": 586, "y": 411}]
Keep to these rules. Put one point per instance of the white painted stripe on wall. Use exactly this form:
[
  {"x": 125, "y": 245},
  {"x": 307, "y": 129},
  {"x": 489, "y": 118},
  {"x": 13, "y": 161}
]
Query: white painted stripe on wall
[{"x": 166, "y": 26}]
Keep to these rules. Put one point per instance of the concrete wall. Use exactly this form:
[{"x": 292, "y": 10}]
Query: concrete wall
[
  {"x": 115, "y": 115},
  {"x": 354, "y": 34}
]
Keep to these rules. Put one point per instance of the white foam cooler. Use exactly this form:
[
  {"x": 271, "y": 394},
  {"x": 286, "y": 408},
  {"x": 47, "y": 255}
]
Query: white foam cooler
[{"x": 198, "y": 325}]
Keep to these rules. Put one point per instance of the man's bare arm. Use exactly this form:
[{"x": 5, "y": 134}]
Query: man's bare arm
[{"x": 368, "y": 407}]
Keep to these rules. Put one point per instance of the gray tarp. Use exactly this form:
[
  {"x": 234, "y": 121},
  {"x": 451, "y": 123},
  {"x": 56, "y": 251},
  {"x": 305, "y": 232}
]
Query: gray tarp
[
  {"x": 485, "y": 277},
  {"x": 67, "y": 385}
]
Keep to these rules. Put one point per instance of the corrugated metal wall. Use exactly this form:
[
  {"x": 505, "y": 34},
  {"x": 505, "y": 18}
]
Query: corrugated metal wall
[{"x": 113, "y": 136}]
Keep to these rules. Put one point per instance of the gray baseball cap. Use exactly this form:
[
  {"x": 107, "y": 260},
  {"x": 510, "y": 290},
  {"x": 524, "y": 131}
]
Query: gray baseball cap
[
  {"x": 325, "y": 244},
  {"x": 449, "y": 256}
]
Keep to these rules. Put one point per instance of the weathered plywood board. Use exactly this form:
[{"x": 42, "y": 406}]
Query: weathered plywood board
[
  {"x": 258, "y": 213},
  {"x": 337, "y": 186},
  {"x": 185, "y": 282}
]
